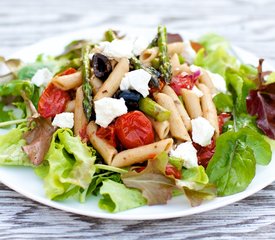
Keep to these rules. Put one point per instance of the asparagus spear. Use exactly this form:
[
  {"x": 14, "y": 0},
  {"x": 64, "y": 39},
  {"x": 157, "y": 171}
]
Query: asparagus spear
[
  {"x": 110, "y": 35},
  {"x": 153, "y": 109},
  {"x": 154, "y": 73},
  {"x": 165, "y": 65},
  {"x": 87, "y": 87},
  {"x": 154, "y": 42}
]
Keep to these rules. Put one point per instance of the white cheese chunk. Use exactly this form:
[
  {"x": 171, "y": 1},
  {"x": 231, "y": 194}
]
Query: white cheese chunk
[
  {"x": 197, "y": 91},
  {"x": 64, "y": 120},
  {"x": 202, "y": 131},
  {"x": 107, "y": 109},
  {"x": 218, "y": 81},
  {"x": 139, "y": 45},
  {"x": 42, "y": 77},
  {"x": 189, "y": 53},
  {"x": 136, "y": 80},
  {"x": 117, "y": 48},
  {"x": 188, "y": 153}
]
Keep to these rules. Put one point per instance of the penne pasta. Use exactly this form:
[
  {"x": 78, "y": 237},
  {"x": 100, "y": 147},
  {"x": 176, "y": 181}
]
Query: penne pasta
[
  {"x": 206, "y": 80},
  {"x": 80, "y": 120},
  {"x": 176, "y": 47},
  {"x": 175, "y": 63},
  {"x": 148, "y": 55},
  {"x": 68, "y": 82},
  {"x": 162, "y": 128},
  {"x": 180, "y": 108},
  {"x": 106, "y": 150},
  {"x": 96, "y": 83},
  {"x": 192, "y": 103},
  {"x": 70, "y": 106},
  {"x": 177, "y": 127},
  {"x": 112, "y": 83},
  {"x": 208, "y": 108},
  {"x": 141, "y": 154}
]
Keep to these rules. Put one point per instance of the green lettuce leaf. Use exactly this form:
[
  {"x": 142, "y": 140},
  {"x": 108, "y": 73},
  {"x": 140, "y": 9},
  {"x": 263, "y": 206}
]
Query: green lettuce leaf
[
  {"x": 223, "y": 102},
  {"x": 117, "y": 197},
  {"x": 11, "y": 152},
  {"x": 212, "y": 41},
  {"x": 233, "y": 164},
  {"x": 69, "y": 165}
]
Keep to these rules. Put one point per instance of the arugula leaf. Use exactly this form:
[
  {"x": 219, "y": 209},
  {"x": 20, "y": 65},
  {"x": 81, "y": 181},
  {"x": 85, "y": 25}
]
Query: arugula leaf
[
  {"x": 117, "y": 197},
  {"x": 156, "y": 187},
  {"x": 223, "y": 102},
  {"x": 233, "y": 164}
]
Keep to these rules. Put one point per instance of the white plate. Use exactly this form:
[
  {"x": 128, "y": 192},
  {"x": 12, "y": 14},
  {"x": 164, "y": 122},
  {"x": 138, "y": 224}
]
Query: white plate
[{"x": 25, "y": 182}]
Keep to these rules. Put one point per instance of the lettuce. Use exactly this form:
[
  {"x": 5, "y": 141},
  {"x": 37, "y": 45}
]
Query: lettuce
[
  {"x": 117, "y": 197},
  {"x": 11, "y": 152},
  {"x": 68, "y": 167}
]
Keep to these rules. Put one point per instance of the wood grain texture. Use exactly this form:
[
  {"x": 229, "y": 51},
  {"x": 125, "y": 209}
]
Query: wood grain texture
[{"x": 248, "y": 24}]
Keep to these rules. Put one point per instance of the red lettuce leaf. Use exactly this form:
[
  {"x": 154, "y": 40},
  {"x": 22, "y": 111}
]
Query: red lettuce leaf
[
  {"x": 155, "y": 186},
  {"x": 38, "y": 140},
  {"x": 261, "y": 103}
]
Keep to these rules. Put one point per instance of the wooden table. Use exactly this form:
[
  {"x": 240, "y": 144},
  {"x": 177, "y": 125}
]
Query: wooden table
[{"x": 246, "y": 23}]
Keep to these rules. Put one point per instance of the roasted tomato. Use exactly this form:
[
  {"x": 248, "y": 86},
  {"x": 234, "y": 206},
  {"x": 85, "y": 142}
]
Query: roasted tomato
[
  {"x": 172, "y": 171},
  {"x": 184, "y": 81},
  {"x": 205, "y": 153},
  {"x": 108, "y": 134},
  {"x": 52, "y": 101},
  {"x": 134, "y": 129}
]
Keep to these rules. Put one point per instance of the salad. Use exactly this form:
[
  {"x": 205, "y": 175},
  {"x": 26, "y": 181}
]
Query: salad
[{"x": 138, "y": 121}]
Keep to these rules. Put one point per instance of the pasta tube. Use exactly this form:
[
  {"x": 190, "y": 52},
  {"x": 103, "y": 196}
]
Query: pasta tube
[
  {"x": 180, "y": 108},
  {"x": 177, "y": 127},
  {"x": 106, "y": 150},
  {"x": 192, "y": 103},
  {"x": 208, "y": 108},
  {"x": 162, "y": 128},
  {"x": 68, "y": 82},
  {"x": 141, "y": 154},
  {"x": 112, "y": 83}
]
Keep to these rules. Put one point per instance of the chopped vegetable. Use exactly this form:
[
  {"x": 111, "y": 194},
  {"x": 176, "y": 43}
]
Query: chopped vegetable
[
  {"x": 87, "y": 87},
  {"x": 153, "y": 109},
  {"x": 165, "y": 65},
  {"x": 134, "y": 129},
  {"x": 101, "y": 66},
  {"x": 52, "y": 101}
]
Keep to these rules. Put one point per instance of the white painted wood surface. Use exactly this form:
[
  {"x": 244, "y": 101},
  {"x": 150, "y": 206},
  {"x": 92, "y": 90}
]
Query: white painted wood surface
[{"x": 246, "y": 23}]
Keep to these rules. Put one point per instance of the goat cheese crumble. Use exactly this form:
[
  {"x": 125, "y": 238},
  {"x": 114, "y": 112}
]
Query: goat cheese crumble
[
  {"x": 187, "y": 152},
  {"x": 136, "y": 80},
  {"x": 202, "y": 131},
  {"x": 64, "y": 120},
  {"x": 107, "y": 109},
  {"x": 117, "y": 48},
  {"x": 42, "y": 77}
]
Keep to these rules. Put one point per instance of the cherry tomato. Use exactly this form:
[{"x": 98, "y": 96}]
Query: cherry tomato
[
  {"x": 108, "y": 134},
  {"x": 157, "y": 89},
  {"x": 67, "y": 72},
  {"x": 52, "y": 101},
  {"x": 134, "y": 129},
  {"x": 183, "y": 81},
  {"x": 172, "y": 170},
  {"x": 222, "y": 118},
  {"x": 205, "y": 153}
]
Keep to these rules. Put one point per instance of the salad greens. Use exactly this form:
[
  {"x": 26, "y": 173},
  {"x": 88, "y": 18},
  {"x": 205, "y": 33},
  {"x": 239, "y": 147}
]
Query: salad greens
[{"x": 69, "y": 165}]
